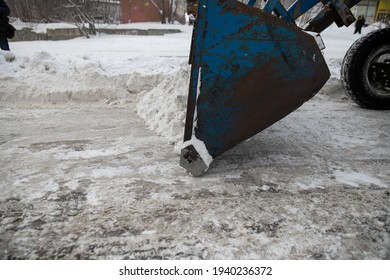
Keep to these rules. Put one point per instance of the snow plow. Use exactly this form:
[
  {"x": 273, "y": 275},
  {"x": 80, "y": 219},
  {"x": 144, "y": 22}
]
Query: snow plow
[{"x": 252, "y": 66}]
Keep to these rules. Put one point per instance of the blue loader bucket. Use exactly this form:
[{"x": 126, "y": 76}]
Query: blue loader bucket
[{"x": 249, "y": 69}]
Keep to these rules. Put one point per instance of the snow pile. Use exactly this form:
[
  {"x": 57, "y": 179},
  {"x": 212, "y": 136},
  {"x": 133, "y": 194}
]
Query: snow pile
[
  {"x": 6, "y": 57},
  {"x": 164, "y": 107},
  {"x": 44, "y": 78},
  {"x": 148, "y": 73}
]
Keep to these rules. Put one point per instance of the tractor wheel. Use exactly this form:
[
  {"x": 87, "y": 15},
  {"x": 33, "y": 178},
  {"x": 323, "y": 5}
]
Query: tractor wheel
[{"x": 365, "y": 72}]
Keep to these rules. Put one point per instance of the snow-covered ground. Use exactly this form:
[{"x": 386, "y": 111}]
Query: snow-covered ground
[{"x": 88, "y": 169}]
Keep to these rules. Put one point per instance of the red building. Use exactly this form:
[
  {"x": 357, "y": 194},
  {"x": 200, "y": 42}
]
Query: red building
[{"x": 144, "y": 10}]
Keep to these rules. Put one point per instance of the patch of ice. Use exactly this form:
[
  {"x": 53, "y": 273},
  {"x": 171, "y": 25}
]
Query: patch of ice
[
  {"x": 149, "y": 232},
  {"x": 356, "y": 179},
  {"x": 107, "y": 172},
  {"x": 153, "y": 169},
  {"x": 49, "y": 186},
  {"x": 91, "y": 153}
]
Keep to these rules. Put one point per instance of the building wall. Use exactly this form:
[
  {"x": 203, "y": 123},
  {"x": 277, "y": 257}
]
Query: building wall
[{"x": 142, "y": 10}]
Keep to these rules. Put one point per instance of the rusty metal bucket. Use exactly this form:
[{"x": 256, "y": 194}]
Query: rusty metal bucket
[{"x": 249, "y": 70}]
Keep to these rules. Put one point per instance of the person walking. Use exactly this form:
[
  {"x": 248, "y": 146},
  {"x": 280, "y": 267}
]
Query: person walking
[
  {"x": 4, "y": 25},
  {"x": 359, "y": 24}
]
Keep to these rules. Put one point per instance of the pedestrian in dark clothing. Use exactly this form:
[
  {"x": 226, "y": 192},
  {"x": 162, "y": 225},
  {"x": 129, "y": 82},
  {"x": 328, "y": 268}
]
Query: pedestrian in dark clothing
[
  {"x": 4, "y": 25},
  {"x": 359, "y": 24}
]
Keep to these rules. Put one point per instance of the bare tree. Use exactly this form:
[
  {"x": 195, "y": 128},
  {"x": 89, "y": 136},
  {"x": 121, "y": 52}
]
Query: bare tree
[
  {"x": 177, "y": 10},
  {"x": 160, "y": 6},
  {"x": 169, "y": 10},
  {"x": 81, "y": 14}
]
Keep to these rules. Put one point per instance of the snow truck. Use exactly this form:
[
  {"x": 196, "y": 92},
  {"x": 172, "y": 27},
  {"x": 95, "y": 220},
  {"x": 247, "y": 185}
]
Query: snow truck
[{"x": 251, "y": 66}]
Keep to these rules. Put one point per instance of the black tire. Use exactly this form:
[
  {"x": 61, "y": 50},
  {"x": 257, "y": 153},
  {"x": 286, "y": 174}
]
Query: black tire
[{"x": 365, "y": 71}]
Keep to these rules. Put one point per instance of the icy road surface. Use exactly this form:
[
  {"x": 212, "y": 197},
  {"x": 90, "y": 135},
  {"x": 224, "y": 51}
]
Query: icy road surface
[{"x": 83, "y": 177}]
